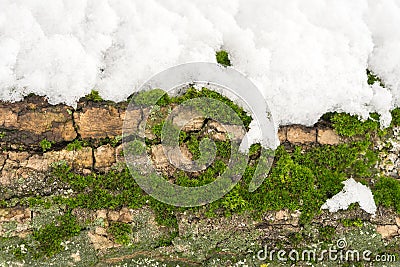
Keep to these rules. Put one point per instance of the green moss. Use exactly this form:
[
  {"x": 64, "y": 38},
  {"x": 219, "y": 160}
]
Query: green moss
[
  {"x": 395, "y": 117},
  {"x": 223, "y": 149},
  {"x": 165, "y": 214},
  {"x": 207, "y": 176},
  {"x": 18, "y": 252},
  {"x": 387, "y": 193},
  {"x": 352, "y": 222},
  {"x": 353, "y": 264},
  {"x": 326, "y": 233},
  {"x": 9, "y": 227},
  {"x": 94, "y": 96},
  {"x": 45, "y": 145},
  {"x": 193, "y": 146},
  {"x": 299, "y": 180},
  {"x": 223, "y": 58},
  {"x": 373, "y": 78},
  {"x": 2, "y": 135},
  {"x": 303, "y": 180},
  {"x": 135, "y": 147},
  {"x": 114, "y": 142},
  {"x": 350, "y": 125},
  {"x": 233, "y": 201},
  {"x": 214, "y": 108},
  {"x": 167, "y": 240},
  {"x": 36, "y": 202},
  {"x": 121, "y": 232},
  {"x": 170, "y": 130},
  {"x": 75, "y": 145},
  {"x": 254, "y": 151},
  {"x": 112, "y": 190},
  {"x": 151, "y": 97},
  {"x": 97, "y": 191},
  {"x": 50, "y": 236},
  {"x": 166, "y": 131}
]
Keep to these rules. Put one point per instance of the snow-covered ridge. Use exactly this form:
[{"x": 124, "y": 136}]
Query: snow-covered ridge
[{"x": 307, "y": 57}]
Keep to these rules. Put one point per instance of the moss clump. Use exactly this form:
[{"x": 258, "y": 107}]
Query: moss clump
[
  {"x": 94, "y": 96},
  {"x": 165, "y": 131},
  {"x": 135, "y": 147},
  {"x": 350, "y": 125},
  {"x": 254, "y": 151},
  {"x": 395, "y": 117},
  {"x": 373, "y": 78},
  {"x": 352, "y": 222},
  {"x": 50, "y": 236},
  {"x": 45, "y": 145},
  {"x": 97, "y": 191},
  {"x": 205, "y": 177},
  {"x": 151, "y": 97},
  {"x": 160, "y": 110},
  {"x": 193, "y": 145},
  {"x": 75, "y": 145},
  {"x": 387, "y": 193},
  {"x": 114, "y": 142},
  {"x": 326, "y": 233},
  {"x": 121, "y": 232},
  {"x": 223, "y": 58},
  {"x": 192, "y": 93},
  {"x": 302, "y": 180},
  {"x": 234, "y": 201},
  {"x": 169, "y": 131}
]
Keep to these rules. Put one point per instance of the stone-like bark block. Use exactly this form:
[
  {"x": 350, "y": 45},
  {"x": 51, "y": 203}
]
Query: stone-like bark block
[
  {"x": 104, "y": 157},
  {"x": 104, "y": 121},
  {"x": 282, "y": 134},
  {"x": 301, "y": 135},
  {"x": 29, "y": 121},
  {"x": 328, "y": 137}
]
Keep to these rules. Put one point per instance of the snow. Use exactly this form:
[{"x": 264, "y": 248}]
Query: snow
[
  {"x": 353, "y": 192},
  {"x": 306, "y": 57}
]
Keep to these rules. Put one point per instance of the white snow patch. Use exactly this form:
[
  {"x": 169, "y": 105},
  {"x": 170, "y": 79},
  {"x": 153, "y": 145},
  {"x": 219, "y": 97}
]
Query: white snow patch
[
  {"x": 381, "y": 100},
  {"x": 307, "y": 57},
  {"x": 353, "y": 192}
]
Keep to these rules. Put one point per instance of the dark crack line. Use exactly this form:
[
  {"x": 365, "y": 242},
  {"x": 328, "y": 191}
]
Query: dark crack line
[
  {"x": 93, "y": 158},
  {"x": 78, "y": 135},
  {"x": 4, "y": 163}
]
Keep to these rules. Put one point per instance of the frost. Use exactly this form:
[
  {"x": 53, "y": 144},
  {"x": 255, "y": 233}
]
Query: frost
[{"x": 353, "y": 192}]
